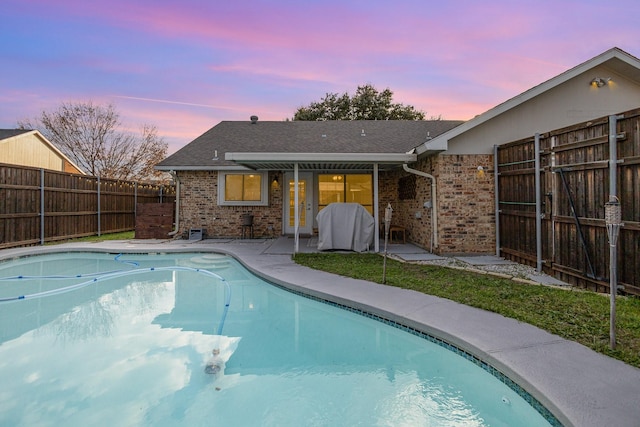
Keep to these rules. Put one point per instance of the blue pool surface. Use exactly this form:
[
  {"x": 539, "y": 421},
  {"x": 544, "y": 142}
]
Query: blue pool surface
[{"x": 129, "y": 348}]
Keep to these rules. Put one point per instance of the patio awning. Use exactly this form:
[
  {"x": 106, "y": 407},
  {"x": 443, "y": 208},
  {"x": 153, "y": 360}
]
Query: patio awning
[{"x": 320, "y": 161}]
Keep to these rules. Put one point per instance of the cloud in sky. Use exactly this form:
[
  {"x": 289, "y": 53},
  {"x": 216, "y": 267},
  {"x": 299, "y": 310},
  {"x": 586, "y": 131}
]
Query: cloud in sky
[{"x": 186, "y": 65}]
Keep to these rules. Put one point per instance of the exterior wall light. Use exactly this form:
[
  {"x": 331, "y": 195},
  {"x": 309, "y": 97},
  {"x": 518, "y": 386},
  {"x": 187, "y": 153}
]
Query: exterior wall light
[{"x": 599, "y": 81}]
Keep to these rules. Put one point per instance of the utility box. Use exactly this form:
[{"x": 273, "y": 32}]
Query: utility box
[{"x": 195, "y": 233}]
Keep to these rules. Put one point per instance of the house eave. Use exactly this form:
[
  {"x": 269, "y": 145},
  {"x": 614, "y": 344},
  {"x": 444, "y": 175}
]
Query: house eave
[
  {"x": 432, "y": 147},
  {"x": 201, "y": 168},
  {"x": 319, "y": 161}
]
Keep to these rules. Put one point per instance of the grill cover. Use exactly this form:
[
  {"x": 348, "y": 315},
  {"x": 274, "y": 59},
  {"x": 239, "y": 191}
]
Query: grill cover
[{"x": 346, "y": 226}]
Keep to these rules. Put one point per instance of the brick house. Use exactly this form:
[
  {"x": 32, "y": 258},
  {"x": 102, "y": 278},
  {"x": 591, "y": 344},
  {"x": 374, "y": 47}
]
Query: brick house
[
  {"x": 252, "y": 166},
  {"x": 437, "y": 175}
]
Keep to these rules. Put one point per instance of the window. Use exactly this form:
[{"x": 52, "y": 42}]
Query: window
[
  {"x": 242, "y": 189},
  {"x": 345, "y": 188}
]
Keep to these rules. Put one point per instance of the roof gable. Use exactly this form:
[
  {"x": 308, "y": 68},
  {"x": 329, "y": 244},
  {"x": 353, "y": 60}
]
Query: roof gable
[
  {"x": 615, "y": 59},
  {"x": 16, "y": 134}
]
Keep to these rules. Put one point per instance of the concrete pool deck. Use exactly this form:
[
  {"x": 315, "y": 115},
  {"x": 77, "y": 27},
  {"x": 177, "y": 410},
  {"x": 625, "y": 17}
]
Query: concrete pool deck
[{"x": 580, "y": 387}]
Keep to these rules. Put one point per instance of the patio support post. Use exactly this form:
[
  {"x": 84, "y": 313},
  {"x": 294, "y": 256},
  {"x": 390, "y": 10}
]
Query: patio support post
[
  {"x": 376, "y": 213},
  {"x": 296, "y": 210},
  {"x": 496, "y": 188},
  {"x": 538, "y": 204}
]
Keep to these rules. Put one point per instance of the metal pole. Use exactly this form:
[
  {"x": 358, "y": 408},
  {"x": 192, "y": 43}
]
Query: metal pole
[
  {"x": 613, "y": 279},
  {"x": 376, "y": 213},
  {"x": 98, "y": 205},
  {"x": 613, "y": 155},
  {"x": 496, "y": 197},
  {"x": 296, "y": 210},
  {"x": 538, "y": 205},
  {"x": 42, "y": 236},
  {"x": 613, "y": 219},
  {"x": 388, "y": 212}
]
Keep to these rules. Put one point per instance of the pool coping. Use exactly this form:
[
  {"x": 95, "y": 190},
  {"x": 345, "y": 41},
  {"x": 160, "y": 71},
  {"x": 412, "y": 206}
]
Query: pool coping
[{"x": 579, "y": 386}]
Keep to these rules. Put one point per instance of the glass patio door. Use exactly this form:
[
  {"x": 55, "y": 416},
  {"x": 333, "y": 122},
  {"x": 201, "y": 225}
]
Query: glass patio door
[{"x": 305, "y": 203}]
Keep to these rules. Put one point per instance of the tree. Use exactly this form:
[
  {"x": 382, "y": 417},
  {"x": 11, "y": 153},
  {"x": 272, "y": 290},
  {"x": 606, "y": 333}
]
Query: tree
[
  {"x": 92, "y": 136},
  {"x": 366, "y": 104}
]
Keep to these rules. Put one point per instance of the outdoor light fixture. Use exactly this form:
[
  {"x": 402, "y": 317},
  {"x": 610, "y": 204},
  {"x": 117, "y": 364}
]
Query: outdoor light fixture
[
  {"x": 275, "y": 182},
  {"x": 599, "y": 81}
]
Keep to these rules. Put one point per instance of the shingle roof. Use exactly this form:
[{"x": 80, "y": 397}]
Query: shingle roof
[
  {"x": 8, "y": 133},
  {"x": 339, "y": 136}
]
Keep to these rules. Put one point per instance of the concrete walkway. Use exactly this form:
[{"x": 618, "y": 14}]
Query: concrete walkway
[{"x": 579, "y": 386}]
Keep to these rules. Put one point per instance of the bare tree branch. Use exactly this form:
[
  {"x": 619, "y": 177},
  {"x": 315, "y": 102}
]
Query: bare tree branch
[{"x": 91, "y": 136}]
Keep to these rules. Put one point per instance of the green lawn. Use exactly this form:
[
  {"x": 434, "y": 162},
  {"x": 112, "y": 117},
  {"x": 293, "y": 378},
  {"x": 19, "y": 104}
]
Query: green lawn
[{"x": 577, "y": 315}]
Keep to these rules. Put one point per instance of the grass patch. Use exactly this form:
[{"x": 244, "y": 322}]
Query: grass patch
[
  {"x": 576, "y": 315},
  {"x": 124, "y": 235}
]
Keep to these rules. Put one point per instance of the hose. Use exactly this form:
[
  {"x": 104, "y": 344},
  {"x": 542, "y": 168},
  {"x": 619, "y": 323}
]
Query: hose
[{"x": 113, "y": 274}]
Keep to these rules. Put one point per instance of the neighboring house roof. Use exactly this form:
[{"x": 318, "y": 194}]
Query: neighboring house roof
[
  {"x": 337, "y": 144},
  {"x": 615, "y": 59},
  {"x": 10, "y": 135}
]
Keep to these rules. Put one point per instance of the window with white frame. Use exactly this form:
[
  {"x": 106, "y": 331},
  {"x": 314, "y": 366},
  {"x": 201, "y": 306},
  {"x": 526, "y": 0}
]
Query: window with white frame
[{"x": 243, "y": 189}]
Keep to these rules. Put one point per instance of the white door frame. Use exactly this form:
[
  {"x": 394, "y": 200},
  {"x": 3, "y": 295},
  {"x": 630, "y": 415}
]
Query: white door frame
[{"x": 307, "y": 228}]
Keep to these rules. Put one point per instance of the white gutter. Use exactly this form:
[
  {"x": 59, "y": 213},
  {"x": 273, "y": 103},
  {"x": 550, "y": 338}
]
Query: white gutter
[
  {"x": 382, "y": 158},
  {"x": 177, "y": 224},
  {"x": 434, "y": 207}
]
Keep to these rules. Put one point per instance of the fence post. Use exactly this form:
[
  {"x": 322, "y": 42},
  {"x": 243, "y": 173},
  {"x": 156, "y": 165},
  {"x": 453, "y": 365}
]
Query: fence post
[
  {"x": 613, "y": 220},
  {"x": 538, "y": 204},
  {"x": 99, "y": 206},
  {"x": 42, "y": 206}
]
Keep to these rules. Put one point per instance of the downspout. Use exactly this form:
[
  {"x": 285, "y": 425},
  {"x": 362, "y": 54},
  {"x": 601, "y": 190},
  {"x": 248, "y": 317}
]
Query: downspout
[
  {"x": 177, "y": 223},
  {"x": 434, "y": 207}
]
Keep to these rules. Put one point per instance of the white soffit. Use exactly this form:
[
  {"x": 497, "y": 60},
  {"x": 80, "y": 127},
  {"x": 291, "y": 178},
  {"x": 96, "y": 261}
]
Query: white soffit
[{"x": 319, "y": 161}]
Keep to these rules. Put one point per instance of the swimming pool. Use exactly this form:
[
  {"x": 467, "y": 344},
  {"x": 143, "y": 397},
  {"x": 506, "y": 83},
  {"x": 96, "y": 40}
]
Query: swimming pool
[{"x": 129, "y": 347}]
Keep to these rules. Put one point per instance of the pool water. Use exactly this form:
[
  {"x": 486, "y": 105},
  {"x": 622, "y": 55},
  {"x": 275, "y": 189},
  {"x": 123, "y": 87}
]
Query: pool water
[{"x": 130, "y": 349}]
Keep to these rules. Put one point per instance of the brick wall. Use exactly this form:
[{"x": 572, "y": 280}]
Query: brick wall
[
  {"x": 466, "y": 217},
  {"x": 466, "y": 211},
  {"x": 466, "y": 221},
  {"x": 199, "y": 208}
]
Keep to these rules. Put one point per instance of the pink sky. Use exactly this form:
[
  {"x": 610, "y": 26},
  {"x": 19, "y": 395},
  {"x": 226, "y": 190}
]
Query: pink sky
[{"x": 186, "y": 65}]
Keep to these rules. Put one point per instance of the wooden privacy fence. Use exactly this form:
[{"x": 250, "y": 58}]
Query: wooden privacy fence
[
  {"x": 40, "y": 205},
  {"x": 556, "y": 222}
]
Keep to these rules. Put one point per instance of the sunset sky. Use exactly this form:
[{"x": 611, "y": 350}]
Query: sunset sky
[{"x": 184, "y": 66}]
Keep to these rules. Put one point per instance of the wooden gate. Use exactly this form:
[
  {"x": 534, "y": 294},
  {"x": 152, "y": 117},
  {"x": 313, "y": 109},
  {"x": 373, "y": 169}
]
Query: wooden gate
[
  {"x": 154, "y": 220},
  {"x": 551, "y": 193}
]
